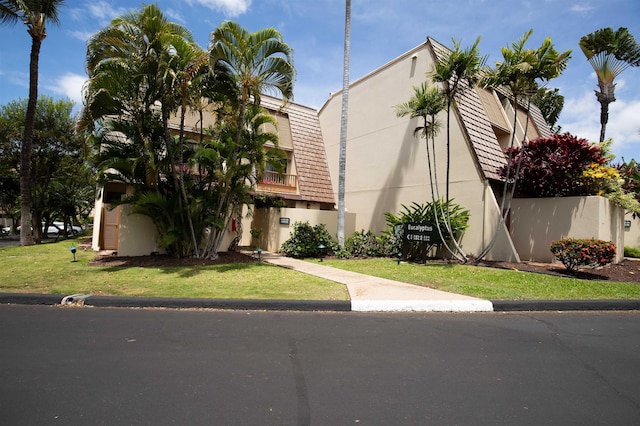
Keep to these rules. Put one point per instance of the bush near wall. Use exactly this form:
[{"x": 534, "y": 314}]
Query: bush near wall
[{"x": 575, "y": 253}]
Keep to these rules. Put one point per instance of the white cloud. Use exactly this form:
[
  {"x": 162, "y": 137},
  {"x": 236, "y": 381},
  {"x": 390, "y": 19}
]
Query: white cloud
[
  {"x": 581, "y": 117},
  {"x": 69, "y": 85},
  {"x": 104, "y": 11},
  {"x": 81, "y": 35},
  {"x": 175, "y": 15},
  {"x": 229, "y": 7},
  {"x": 581, "y": 8}
]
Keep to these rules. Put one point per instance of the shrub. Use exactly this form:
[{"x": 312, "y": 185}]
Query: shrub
[
  {"x": 632, "y": 252},
  {"x": 554, "y": 167},
  {"x": 305, "y": 241},
  {"x": 364, "y": 244},
  {"x": 423, "y": 213},
  {"x": 575, "y": 253}
]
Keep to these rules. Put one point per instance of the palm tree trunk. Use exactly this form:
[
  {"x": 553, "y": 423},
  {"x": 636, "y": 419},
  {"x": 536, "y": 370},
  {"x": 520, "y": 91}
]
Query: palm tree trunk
[
  {"x": 26, "y": 238},
  {"x": 343, "y": 125},
  {"x": 605, "y": 99}
]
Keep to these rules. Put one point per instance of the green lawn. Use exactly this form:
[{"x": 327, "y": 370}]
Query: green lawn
[
  {"x": 490, "y": 283},
  {"x": 49, "y": 268}
]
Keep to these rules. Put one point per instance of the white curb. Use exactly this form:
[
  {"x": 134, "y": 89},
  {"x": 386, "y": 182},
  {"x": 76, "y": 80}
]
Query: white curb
[{"x": 421, "y": 306}]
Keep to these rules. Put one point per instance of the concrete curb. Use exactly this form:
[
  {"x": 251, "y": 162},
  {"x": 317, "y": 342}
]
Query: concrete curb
[
  {"x": 565, "y": 305},
  {"x": 182, "y": 303},
  {"x": 331, "y": 305}
]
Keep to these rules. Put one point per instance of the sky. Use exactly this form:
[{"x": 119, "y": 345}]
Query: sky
[{"x": 381, "y": 30}]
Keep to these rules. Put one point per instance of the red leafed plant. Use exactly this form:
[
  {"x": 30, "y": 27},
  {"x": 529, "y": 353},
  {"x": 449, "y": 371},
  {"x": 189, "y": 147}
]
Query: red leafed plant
[
  {"x": 575, "y": 253},
  {"x": 552, "y": 167}
]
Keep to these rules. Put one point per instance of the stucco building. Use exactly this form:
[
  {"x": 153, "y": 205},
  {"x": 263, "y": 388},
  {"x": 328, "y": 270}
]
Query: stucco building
[{"x": 387, "y": 165}]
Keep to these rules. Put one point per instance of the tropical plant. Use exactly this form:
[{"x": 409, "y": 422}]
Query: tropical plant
[
  {"x": 553, "y": 166},
  {"x": 456, "y": 71},
  {"x": 34, "y": 14},
  {"x": 521, "y": 73},
  {"x": 255, "y": 63},
  {"x": 610, "y": 53},
  {"x": 425, "y": 103},
  {"x": 550, "y": 102},
  {"x": 575, "y": 253},
  {"x": 426, "y": 214}
]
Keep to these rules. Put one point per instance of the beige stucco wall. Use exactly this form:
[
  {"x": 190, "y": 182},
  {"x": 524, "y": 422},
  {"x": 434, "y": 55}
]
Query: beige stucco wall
[
  {"x": 386, "y": 165},
  {"x": 632, "y": 233},
  {"x": 274, "y": 234},
  {"x": 536, "y": 222}
]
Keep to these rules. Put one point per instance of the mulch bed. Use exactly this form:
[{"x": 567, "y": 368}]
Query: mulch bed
[{"x": 625, "y": 271}]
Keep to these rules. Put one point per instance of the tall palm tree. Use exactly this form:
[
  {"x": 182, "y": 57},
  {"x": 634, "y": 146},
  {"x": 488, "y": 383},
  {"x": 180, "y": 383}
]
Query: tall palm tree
[
  {"x": 609, "y": 53},
  {"x": 522, "y": 72},
  {"x": 139, "y": 70},
  {"x": 426, "y": 103},
  {"x": 256, "y": 63},
  {"x": 34, "y": 14},
  {"x": 342, "y": 161},
  {"x": 453, "y": 69}
]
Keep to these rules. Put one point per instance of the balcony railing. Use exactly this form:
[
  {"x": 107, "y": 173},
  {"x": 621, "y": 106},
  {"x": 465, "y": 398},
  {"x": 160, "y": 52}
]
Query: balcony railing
[{"x": 271, "y": 179}]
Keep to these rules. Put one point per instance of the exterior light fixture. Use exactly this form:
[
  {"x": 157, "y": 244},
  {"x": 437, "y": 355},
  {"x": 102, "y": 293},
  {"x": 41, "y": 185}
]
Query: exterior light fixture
[
  {"x": 73, "y": 250},
  {"x": 258, "y": 251},
  {"x": 322, "y": 251}
]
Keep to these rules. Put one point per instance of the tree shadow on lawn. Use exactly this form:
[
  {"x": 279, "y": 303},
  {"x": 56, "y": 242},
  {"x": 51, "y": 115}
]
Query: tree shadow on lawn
[{"x": 185, "y": 267}]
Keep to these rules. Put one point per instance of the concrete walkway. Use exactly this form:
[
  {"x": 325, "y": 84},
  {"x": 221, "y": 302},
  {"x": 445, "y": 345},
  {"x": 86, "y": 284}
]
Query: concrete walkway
[{"x": 372, "y": 294}]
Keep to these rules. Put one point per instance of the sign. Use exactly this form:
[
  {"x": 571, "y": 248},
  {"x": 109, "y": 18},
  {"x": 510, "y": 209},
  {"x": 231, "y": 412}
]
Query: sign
[
  {"x": 420, "y": 233},
  {"x": 285, "y": 221}
]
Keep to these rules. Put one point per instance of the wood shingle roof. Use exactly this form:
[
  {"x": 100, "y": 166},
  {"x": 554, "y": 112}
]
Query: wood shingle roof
[{"x": 314, "y": 180}]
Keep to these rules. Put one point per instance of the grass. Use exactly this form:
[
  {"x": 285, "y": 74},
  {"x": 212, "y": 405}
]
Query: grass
[
  {"x": 49, "y": 269},
  {"x": 490, "y": 283}
]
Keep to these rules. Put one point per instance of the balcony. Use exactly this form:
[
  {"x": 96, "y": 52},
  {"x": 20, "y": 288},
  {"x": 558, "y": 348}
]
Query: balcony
[{"x": 273, "y": 181}]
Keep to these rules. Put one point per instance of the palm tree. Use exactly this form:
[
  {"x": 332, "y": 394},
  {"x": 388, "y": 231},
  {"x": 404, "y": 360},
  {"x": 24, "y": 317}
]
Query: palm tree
[
  {"x": 255, "y": 62},
  {"x": 453, "y": 69},
  {"x": 522, "y": 72},
  {"x": 609, "y": 53},
  {"x": 139, "y": 70},
  {"x": 34, "y": 14},
  {"x": 342, "y": 162},
  {"x": 426, "y": 103}
]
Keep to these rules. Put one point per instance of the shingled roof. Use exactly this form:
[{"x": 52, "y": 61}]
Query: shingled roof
[{"x": 314, "y": 180}]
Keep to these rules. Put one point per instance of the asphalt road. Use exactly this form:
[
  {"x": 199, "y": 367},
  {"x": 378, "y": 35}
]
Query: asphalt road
[{"x": 90, "y": 366}]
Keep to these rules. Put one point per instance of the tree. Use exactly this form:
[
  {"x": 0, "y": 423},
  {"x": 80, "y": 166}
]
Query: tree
[
  {"x": 140, "y": 67},
  {"x": 426, "y": 103},
  {"x": 255, "y": 63},
  {"x": 456, "y": 71},
  {"x": 56, "y": 153},
  {"x": 609, "y": 52},
  {"x": 34, "y": 14},
  {"x": 342, "y": 161},
  {"x": 521, "y": 73},
  {"x": 550, "y": 102}
]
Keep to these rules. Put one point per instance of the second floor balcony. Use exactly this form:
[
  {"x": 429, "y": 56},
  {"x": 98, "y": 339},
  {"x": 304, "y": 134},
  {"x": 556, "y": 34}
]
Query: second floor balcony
[{"x": 274, "y": 181}]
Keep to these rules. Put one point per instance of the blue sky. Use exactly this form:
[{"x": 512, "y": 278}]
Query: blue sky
[{"x": 381, "y": 31}]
